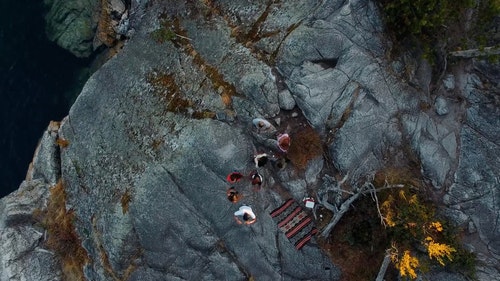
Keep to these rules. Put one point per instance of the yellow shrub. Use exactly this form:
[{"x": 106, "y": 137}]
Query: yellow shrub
[
  {"x": 436, "y": 226},
  {"x": 387, "y": 210},
  {"x": 407, "y": 265},
  {"x": 438, "y": 251}
]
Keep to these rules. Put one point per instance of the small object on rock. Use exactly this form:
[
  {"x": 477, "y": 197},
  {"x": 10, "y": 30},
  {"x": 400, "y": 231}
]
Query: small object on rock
[
  {"x": 277, "y": 120},
  {"x": 260, "y": 159},
  {"x": 233, "y": 195},
  {"x": 221, "y": 116},
  {"x": 309, "y": 202},
  {"x": 263, "y": 125},
  {"x": 284, "y": 142},
  {"x": 256, "y": 178},
  {"x": 449, "y": 82},
  {"x": 234, "y": 177},
  {"x": 295, "y": 114}
]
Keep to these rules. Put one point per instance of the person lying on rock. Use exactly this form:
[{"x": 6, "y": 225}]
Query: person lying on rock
[{"x": 245, "y": 215}]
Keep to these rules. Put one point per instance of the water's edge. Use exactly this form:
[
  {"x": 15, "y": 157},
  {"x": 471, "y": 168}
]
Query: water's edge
[{"x": 38, "y": 82}]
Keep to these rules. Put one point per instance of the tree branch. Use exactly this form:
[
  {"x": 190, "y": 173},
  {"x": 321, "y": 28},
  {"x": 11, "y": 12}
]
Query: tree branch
[
  {"x": 336, "y": 218},
  {"x": 383, "y": 267},
  {"x": 472, "y": 53},
  {"x": 339, "y": 212}
]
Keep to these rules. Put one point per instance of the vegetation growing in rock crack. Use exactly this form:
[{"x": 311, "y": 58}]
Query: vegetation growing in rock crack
[
  {"x": 163, "y": 33},
  {"x": 125, "y": 200},
  {"x": 170, "y": 94},
  {"x": 62, "y": 238}
]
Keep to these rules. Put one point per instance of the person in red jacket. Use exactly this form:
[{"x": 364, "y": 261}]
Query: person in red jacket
[{"x": 234, "y": 177}]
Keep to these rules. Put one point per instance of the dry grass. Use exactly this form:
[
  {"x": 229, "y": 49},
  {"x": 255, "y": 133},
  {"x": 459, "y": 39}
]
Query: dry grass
[
  {"x": 106, "y": 262},
  {"x": 164, "y": 85},
  {"x": 225, "y": 89},
  {"x": 305, "y": 145},
  {"x": 62, "y": 143},
  {"x": 62, "y": 237},
  {"x": 125, "y": 200},
  {"x": 105, "y": 31},
  {"x": 166, "y": 88}
]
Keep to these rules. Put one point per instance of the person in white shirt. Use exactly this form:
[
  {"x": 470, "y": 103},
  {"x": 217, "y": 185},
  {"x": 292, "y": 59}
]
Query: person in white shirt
[{"x": 245, "y": 215}]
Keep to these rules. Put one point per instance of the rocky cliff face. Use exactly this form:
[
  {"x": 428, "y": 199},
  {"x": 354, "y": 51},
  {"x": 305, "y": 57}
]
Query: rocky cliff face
[
  {"x": 82, "y": 26},
  {"x": 145, "y": 149}
]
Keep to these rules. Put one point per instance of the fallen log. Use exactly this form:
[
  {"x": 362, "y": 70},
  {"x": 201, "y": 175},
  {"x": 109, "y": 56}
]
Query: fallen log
[{"x": 473, "y": 53}]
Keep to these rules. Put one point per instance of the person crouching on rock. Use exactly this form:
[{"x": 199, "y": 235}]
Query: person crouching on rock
[
  {"x": 233, "y": 195},
  {"x": 245, "y": 215},
  {"x": 234, "y": 177},
  {"x": 256, "y": 179},
  {"x": 260, "y": 159}
]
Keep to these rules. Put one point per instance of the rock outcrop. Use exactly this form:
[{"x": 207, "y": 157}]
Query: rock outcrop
[
  {"x": 82, "y": 26},
  {"x": 23, "y": 254},
  {"x": 145, "y": 149}
]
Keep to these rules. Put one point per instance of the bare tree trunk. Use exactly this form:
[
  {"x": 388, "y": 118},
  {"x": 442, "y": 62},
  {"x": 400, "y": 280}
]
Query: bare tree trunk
[
  {"x": 343, "y": 208},
  {"x": 339, "y": 212},
  {"x": 383, "y": 267}
]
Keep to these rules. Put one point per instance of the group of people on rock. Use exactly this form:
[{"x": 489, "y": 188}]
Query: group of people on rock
[{"x": 245, "y": 214}]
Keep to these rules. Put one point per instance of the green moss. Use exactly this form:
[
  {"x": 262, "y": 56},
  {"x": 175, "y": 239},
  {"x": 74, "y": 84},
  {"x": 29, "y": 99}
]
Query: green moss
[{"x": 164, "y": 33}]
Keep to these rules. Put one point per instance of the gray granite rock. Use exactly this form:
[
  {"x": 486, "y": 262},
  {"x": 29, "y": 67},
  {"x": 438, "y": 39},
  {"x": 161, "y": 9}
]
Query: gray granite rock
[
  {"x": 173, "y": 166},
  {"x": 449, "y": 82},
  {"x": 285, "y": 100},
  {"x": 72, "y": 24},
  {"x": 441, "y": 106},
  {"x": 24, "y": 256},
  {"x": 476, "y": 183}
]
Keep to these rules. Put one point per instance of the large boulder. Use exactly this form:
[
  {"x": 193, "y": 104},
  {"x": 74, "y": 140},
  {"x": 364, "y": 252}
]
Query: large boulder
[
  {"x": 72, "y": 24},
  {"x": 82, "y": 26},
  {"x": 24, "y": 256}
]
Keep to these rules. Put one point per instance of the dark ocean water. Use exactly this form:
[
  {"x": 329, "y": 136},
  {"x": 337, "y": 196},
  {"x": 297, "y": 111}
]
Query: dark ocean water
[{"x": 37, "y": 79}]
